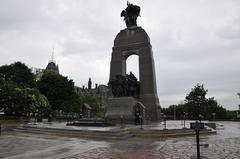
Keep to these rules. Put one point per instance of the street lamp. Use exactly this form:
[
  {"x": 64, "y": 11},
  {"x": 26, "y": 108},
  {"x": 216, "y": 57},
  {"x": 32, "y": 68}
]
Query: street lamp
[
  {"x": 174, "y": 112},
  {"x": 1, "y": 122},
  {"x": 184, "y": 119},
  {"x": 213, "y": 114},
  {"x": 239, "y": 104},
  {"x": 200, "y": 117},
  {"x": 238, "y": 112}
]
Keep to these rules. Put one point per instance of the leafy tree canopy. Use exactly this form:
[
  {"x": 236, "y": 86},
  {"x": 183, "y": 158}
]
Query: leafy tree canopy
[
  {"x": 93, "y": 103},
  {"x": 15, "y": 100},
  {"x": 197, "y": 95},
  {"x": 58, "y": 89},
  {"x": 18, "y": 73},
  {"x": 195, "y": 104}
]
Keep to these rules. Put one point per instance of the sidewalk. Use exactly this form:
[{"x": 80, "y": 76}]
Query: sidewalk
[{"x": 224, "y": 145}]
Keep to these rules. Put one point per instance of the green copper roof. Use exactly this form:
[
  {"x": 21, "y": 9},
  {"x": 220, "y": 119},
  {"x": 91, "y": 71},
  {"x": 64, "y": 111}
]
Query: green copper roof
[{"x": 52, "y": 67}]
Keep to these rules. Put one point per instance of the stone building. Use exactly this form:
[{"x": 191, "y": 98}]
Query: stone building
[
  {"x": 51, "y": 66},
  {"x": 99, "y": 91}
]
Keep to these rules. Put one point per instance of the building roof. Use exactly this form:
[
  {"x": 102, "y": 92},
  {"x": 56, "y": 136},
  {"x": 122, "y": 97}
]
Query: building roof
[
  {"x": 103, "y": 88},
  {"x": 52, "y": 66}
]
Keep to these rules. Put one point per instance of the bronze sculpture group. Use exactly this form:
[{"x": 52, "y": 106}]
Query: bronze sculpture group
[{"x": 125, "y": 86}]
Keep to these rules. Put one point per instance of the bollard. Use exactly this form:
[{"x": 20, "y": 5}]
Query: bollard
[
  {"x": 147, "y": 120},
  {"x": 198, "y": 145},
  {"x": 184, "y": 124},
  {"x": 141, "y": 121},
  {"x": 121, "y": 121},
  {"x": 165, "y": 122}
]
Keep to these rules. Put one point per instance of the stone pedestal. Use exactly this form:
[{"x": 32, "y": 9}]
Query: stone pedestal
[
  {"x": 117, "y": 107},
  {"x": 135, "y": 41}
]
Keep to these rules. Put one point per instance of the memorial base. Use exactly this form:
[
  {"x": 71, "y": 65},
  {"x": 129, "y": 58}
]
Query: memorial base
[{"x": 121, "y": 110}]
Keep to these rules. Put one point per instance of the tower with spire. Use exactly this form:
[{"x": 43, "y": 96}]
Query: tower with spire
[{"x": 52, "y": 66}]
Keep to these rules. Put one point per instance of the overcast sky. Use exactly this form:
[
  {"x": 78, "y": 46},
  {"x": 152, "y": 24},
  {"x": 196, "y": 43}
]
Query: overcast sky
[{"x": 194, "y": 41}]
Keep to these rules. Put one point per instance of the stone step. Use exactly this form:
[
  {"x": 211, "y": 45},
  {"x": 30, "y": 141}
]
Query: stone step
[
  {"x": 82, "y": 134},
  {"x": 113, "y": 132},
  {"x": 167, "y": 133},
  {"x": 77, "y": 135}
]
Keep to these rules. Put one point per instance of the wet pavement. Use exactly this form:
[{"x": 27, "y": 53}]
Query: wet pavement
[{"x": 224, "y": 145}]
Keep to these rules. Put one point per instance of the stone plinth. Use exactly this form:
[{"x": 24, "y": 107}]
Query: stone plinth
[{"x": 122, "y": 106}]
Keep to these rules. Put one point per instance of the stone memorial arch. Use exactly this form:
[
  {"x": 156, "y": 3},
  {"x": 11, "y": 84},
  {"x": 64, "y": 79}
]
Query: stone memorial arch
[{"x": 134, "y": 41}]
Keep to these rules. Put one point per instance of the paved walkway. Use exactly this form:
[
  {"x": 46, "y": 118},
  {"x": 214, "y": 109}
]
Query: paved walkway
[
  {"x": 221, "y": 149},
  {"x": 23, "y": 146},
  {"x": 224, "y": 145}
]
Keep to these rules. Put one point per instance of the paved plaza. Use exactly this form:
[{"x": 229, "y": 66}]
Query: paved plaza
[{"x": 224, "y": 145}]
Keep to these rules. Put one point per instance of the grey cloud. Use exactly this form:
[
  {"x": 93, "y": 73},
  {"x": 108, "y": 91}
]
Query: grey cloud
[{"x": 193, "y": 42}]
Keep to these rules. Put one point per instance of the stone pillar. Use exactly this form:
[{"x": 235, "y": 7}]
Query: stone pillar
[
  {"x": 148, "y": 87},
  {"x": 118, "y": 64}
]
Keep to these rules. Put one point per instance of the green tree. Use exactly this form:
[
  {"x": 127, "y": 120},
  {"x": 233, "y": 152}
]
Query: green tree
[
  {"x": 93, "y": 103},
  {"x": 18, "y": 95},
  {"x": 37, "y": 102},
  {"x": 197, "y": 103},
  {"x": 15, "y": 100},
  {"x": 18, "y": 73},
  {"x": 179, "y": 110},
  {"x": 59, "y": 91},
  {"x": 214, "y": 110},
  {"x": 73, "y": 105}
]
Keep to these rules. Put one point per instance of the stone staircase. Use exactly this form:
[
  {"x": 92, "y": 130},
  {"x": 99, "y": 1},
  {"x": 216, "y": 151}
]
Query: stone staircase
[
  {"x": 113, "y": 134},
  {"x": 148, "y": 133}
]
